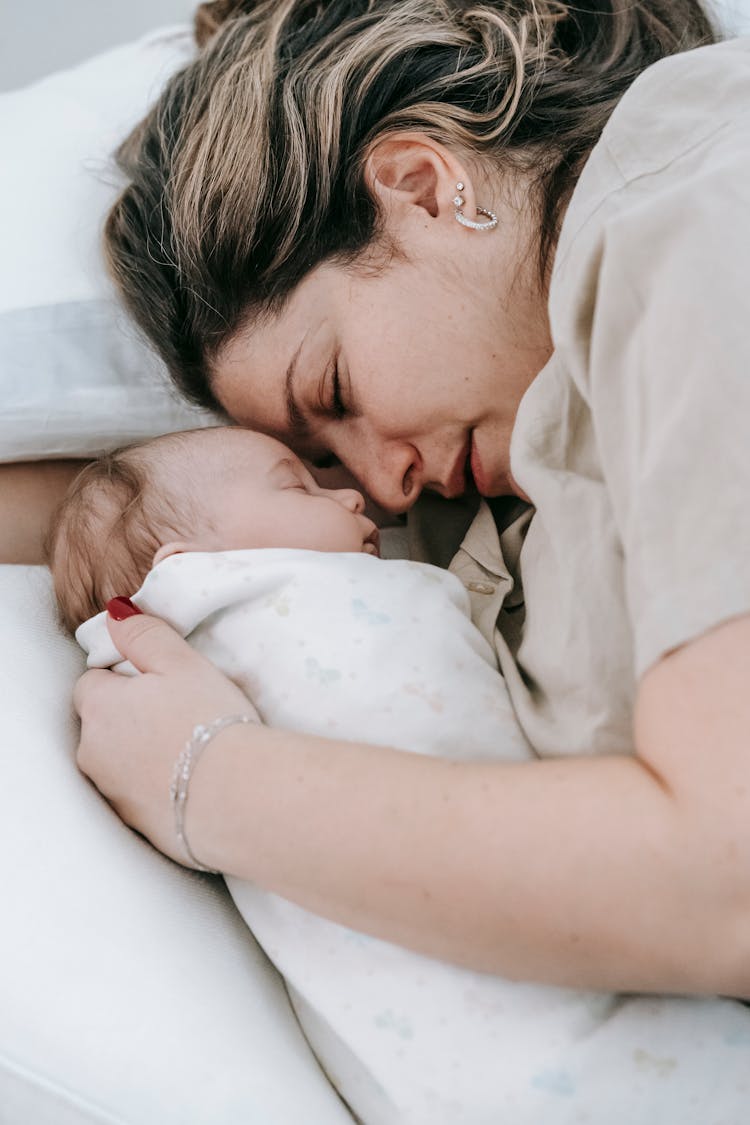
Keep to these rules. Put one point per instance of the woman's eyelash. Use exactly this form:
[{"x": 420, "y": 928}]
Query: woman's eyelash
[{"x": 338, "y": 409}]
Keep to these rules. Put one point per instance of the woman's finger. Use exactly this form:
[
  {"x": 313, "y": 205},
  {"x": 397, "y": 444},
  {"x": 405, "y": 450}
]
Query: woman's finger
[
  {"x": 149, "y": 643},
  {"x": 92, "y": 686}
]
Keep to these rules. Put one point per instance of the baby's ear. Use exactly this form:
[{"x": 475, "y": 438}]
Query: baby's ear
[{"x": 176, "y": 548}]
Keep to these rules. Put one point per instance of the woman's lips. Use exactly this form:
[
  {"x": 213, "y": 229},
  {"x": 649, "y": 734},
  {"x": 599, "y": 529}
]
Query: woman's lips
[
  {"x": 480, "y": 479},
  {"x": 467, "y": 473},
  {"x": 456, "y": 482}
]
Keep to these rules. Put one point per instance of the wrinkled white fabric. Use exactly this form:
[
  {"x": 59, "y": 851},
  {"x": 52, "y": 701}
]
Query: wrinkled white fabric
[
  {"x": 384, "y": 651},
  {"x": 289, "y": 627}
]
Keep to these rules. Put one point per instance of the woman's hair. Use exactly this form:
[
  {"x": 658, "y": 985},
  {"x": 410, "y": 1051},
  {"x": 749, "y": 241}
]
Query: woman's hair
[
  {"x": 110, "y": 524},
  {"x": 249, "y": 171}
]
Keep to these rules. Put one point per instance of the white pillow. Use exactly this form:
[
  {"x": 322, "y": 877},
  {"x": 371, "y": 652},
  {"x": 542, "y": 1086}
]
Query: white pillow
[
  {"x": 733, "y": 15},
  {"x": 131, "y": 991},
  {"x": 75, "y": 377}
]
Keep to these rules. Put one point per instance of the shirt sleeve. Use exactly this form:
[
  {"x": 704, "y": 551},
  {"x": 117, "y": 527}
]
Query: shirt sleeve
[{"x": 668, "y": 385}]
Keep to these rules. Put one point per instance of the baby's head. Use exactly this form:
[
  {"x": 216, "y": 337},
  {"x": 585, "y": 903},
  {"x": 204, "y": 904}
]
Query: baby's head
[{"x": 219, "y": 489}]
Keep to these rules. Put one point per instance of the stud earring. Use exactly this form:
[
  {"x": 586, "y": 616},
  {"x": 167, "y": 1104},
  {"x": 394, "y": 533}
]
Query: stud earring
[{"x": 458, "y": 202}]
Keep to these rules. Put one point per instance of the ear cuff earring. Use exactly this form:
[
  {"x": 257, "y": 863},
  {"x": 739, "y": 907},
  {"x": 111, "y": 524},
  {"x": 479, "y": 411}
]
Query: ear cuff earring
[{"x": 458, "y": 202}]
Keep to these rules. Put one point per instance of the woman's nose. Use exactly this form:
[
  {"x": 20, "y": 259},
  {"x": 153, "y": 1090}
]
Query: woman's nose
[{"x": 390, "y": 474}]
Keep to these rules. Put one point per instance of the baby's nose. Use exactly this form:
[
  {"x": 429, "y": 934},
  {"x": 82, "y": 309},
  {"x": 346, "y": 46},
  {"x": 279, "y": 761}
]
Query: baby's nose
[{"x": 349, "y": 498}]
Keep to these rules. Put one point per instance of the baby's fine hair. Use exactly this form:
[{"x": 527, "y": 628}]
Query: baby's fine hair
[{"x": 112, "y": 521}]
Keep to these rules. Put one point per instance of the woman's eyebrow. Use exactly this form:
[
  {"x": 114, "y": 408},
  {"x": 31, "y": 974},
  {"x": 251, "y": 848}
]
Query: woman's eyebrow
[{"x": 296, "y": 421}]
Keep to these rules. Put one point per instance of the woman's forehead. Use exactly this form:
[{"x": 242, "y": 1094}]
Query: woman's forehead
[
  {"x": 249, "y": 376},
  {"x": 250, "y": 373}
]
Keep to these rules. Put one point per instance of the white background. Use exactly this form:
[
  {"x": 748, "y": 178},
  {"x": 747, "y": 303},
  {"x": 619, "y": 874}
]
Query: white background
[{"x": 41, "y": 36}]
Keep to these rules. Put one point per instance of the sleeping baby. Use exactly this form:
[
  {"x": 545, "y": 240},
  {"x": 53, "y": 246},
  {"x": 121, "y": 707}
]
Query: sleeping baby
[{"x": 225, "y": 534}]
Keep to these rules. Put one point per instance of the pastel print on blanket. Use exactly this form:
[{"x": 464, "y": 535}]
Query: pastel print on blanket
[{"x": 354, "y": 647}]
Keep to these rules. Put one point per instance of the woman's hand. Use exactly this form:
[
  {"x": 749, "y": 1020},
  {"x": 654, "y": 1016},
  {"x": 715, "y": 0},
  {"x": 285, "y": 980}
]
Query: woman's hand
[{"x": 133, "y": 727}]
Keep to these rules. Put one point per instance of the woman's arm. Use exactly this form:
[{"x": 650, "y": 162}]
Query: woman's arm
[
  {"x": 29, "y": 493},
  {"x": 614, "y": 873}
]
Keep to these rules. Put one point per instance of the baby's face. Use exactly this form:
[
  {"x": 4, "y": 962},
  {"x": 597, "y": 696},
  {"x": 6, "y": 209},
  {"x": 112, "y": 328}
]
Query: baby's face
[{"x": 257, "y": 493}]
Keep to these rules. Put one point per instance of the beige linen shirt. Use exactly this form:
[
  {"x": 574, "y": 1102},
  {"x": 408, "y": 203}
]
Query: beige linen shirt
[{"x": 634, "y": 441}]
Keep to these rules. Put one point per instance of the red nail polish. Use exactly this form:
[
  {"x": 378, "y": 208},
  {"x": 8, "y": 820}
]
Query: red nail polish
[{"x": 120, "y": 608}]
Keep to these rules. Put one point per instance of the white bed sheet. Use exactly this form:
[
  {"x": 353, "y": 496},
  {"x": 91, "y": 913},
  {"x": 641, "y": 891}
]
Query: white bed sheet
[{"x": 131, "y": 991}]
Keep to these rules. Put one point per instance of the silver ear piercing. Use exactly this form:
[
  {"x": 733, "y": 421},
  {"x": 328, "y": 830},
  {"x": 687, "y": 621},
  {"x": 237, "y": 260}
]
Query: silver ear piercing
[{"x": 458, "y": 202}]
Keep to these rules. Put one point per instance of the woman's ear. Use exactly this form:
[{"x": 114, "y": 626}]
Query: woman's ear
[
  {"x": 410, "y": 169},
  {"x": 176, "y": 548}
]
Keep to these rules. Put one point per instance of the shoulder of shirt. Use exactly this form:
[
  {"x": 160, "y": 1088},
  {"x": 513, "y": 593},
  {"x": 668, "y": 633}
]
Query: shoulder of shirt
[
  {"x": 677, "y": 104},
  {"x": 673, "y": 107}
]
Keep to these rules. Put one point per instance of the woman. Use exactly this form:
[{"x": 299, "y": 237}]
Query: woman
[{"x": 393, "y": 234}]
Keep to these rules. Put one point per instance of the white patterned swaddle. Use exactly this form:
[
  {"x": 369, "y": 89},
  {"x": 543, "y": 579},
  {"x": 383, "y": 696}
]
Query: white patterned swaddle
[{"x": 352, "y": 647}]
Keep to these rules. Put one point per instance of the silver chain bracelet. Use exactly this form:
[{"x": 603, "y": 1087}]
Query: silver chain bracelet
[{"x": 182, "y": 772}]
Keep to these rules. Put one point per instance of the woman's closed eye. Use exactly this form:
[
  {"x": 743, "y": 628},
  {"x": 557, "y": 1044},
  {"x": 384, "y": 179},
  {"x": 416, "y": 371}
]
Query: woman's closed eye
[
  {"x": 332, "y": 398},
  {"x": 337, "y": 402}
]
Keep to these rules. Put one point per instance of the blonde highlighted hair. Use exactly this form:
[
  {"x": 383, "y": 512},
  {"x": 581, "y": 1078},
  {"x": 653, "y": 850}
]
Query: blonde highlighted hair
[{"x": 249, "y": 171}]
